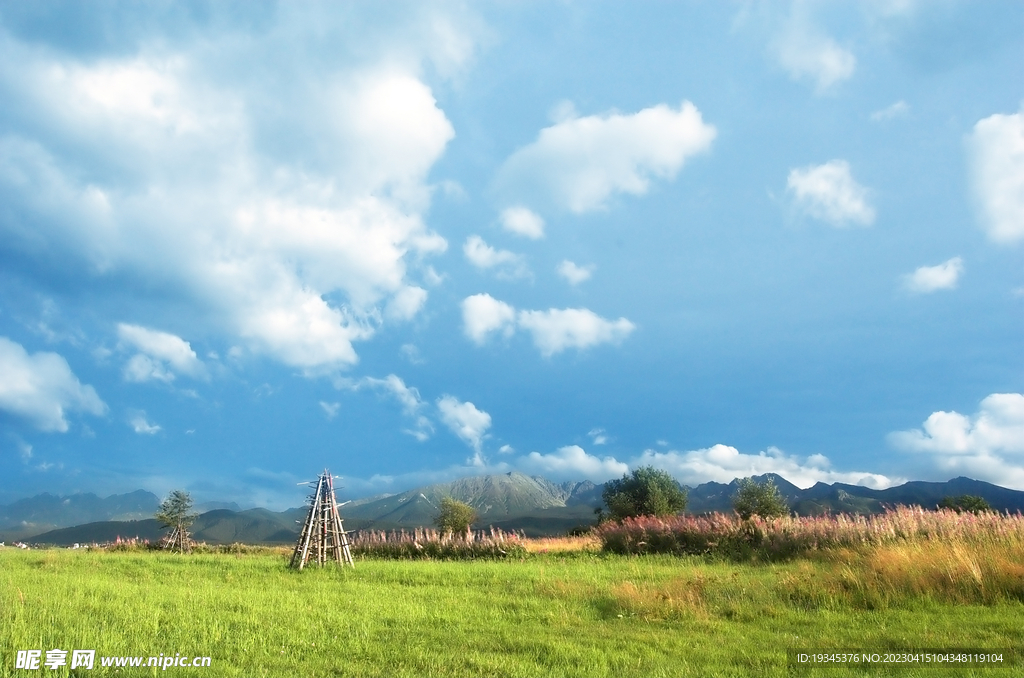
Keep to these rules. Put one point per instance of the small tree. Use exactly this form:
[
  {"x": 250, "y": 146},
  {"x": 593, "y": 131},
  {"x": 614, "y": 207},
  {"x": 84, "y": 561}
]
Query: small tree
[
  {"x": 455, "y": 516},
  {"x": 176, "y": 513},
  {"x": 646, "y": 492},
  {"x": 965, "y": 502},
  {"x": 759, "y": 499}
]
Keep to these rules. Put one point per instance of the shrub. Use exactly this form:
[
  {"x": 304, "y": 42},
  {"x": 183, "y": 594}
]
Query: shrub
[
  {"x": 965, "y": 502},
  {"x": 759, "y": 499}
]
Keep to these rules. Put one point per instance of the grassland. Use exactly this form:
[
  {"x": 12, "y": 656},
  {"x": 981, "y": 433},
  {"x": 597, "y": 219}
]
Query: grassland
[{"x": 551, "y": 613}]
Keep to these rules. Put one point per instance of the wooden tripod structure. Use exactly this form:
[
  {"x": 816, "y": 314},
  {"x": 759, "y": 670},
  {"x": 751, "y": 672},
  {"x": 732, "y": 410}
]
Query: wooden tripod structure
[
  {"x": 322, "y": 538},
  {"x": 178, "y": 540}
]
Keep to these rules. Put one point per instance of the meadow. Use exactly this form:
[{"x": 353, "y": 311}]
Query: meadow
[{"x": 553, "y": 608}]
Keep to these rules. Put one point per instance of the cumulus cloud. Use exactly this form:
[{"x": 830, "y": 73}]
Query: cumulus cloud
[
  {"x": 556, "y": 330},
  {"x": 294, "y": 229},
  {"x": 41, "y": 387},
  {"x": 141, "y": 425},
  {"x": 579, "y": 163},
  {"x": 723, "y": 464},
  {"x": 482, "y": 315},
  {"x": 572, "y": 461},
  {"x": 598, "y": 435},
  {"x": 828, "y": 192},
  {"x": 521, "y": 221},
  {"x": 933, "y": 278},
  {"x": 573, "y": 273},
  {"x": 160, "y": 355},
  {"x": 467, "y": 422},
  {"x": 988, "y": 445},
  {"x": 406, "y": 303},
  {"x": 553, "y": 331},
  {"x": 508, "y": 265},
  {"x": 810, "y": 56},
  {"x": 997, "y": 167}
]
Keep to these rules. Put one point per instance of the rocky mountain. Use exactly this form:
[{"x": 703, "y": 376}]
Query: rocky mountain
[
  {"x": 497, "y": 499},
  {"x": 45, "y": 511}
]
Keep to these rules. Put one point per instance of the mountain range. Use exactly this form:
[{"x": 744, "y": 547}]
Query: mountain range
[{"x": 509, "y": 501}]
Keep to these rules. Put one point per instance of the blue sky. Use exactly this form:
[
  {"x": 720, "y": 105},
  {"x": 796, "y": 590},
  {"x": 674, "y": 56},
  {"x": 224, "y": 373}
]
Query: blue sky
[{"x": 240, "y": 242}]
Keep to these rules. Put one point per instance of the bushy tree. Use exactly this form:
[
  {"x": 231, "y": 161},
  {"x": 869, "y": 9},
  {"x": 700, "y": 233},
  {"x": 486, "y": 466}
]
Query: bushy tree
[
  {"x": 176, "y": 513},
  {"x": 759, "y": 499},
  {"x": 646, "y": 491},
  {"x": 176, "y": 510},
  {"x": 455, "y": 516},
  {"x": 965, "y": 502}
]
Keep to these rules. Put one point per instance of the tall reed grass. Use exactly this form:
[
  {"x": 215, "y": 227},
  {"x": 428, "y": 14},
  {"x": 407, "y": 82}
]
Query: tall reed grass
[
  {"x": 427, "y": 544},
  {"x": 784, "y": 538}
]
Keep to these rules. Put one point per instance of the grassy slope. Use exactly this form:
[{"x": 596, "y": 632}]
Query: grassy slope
[{"x": 584, "y": 614}]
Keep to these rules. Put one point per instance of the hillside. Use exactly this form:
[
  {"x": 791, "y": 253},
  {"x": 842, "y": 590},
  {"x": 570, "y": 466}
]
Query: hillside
[
  {"x": 42, "y": 512},
  {"x": 511, "y": 501}
]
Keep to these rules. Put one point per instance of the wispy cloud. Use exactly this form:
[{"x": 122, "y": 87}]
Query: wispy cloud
[{"x": 467, "y": 422}]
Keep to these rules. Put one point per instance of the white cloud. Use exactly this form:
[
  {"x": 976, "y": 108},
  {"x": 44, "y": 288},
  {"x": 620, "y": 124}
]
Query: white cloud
[
  {"x": 932, "y": 278},
  {"x": 411, "y": 353},
  {"x": 330, "y": 409},
  {"x": 556, "y": 330},
  {"x": 573, "y": 273},
  {"x": 41, "y": 388},
  {"x": 808, "y": 54},
  {"x": 522, "y": 221},
  {"x": 572, "y": 461},
  {"x": 997, "y": 166},
  {"x": 509, "y": 265},
  {"x": 482, "y": 314},
  {"x": 723, "y": 464},
  {"x": 987, "y": 446},
  {"x": 828, "y": 192},
  {"x": 900, "y": 109},
  {"x": 553, "y": 331},
  {"x": 599, "y": 436},
  {"x": 580, "y": 163},
  {"x": 141, "y": 425},
  {"x": 158, "y": 352},
  {"x": 406, "y": 303},
  {"x": 467, "y": 422},
  {"x": 291, "y": 227},
  {"x": 24, "y": 450}
]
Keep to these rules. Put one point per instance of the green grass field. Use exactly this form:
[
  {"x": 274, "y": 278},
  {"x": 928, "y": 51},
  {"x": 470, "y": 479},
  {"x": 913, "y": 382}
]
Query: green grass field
[{"x": 580, "y": 614}]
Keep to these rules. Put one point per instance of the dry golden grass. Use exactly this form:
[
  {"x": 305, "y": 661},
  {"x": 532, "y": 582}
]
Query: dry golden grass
[
  {"x": 678, "y": 598},
  {"x": 957, "y": 571},
  {"x": 563, "y": 544}
]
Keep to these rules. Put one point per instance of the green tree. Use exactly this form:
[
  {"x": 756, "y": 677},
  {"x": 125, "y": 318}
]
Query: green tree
[
  {"x": 647, "y": 491},
  {"x": 759, "y": 499},
  {"x": 455, "y": 516},
  {"x": 176, "y": 512},
  {"x": 965, "y": 502}
]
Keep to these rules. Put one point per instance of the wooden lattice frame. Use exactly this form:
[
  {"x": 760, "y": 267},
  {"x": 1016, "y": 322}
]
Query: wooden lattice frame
[{"x": 323, "y": 538}]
